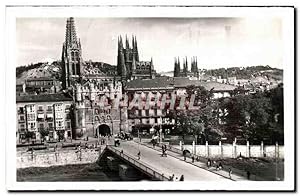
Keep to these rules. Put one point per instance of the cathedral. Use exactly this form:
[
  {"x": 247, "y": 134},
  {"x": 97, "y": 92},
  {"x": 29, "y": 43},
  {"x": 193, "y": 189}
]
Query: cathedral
[
  {"x": 129, "y": 67},
  {"x": 193, "y": 73},
  {"x": 93, "y": 92}
]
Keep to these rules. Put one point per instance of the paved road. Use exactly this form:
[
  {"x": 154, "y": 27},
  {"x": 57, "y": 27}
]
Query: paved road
[{"x": 168, "y": 165}]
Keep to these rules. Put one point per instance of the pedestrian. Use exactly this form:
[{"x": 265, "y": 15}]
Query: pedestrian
[
  {"x": 122, "y": 151},
  {"x": 248, "y": 175},
  {"x": 172, "y": 177},
  {"x": 184, "y": 155},
  {"x": 181, "y": 178},
  {"x": 139, "y": 155},
  {"x": 215, "y": 164},
  {"x": 208, "y": 163},
  {"x": 220, "y": 166},
  {"x": 230, "y": 172},
  {"x": 193, "y": 159}
]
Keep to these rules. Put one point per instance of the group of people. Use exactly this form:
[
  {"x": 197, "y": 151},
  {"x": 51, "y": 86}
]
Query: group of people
[
  {"x": 218, "y": 166},
  {"x": 164, "y": 150},
  {"x": 172, "y": 178}
]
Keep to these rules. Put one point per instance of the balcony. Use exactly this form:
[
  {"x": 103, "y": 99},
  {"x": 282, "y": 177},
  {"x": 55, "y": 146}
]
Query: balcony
[
  {"x": 48, "y": 111},
  {"x": 21, "y": 112},
  {"x": 21, "y": 120},
  {"x": 40, "y": 111},
  {"x": 22, "y": 130}
]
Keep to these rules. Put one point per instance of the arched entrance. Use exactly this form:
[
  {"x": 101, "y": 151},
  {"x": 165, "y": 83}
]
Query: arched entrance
[{"x": 103, "y": 130}]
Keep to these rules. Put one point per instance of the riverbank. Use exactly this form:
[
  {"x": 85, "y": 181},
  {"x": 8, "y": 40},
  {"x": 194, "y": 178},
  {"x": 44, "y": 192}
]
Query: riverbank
[{"x": 66, "y": 173}]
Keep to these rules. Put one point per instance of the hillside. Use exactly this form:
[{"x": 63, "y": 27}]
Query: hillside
[
  {"x": 38, "y": 70},
  {"x": 254, "y": 73},
  {"x": 53, "y": 70},
  {"x": 246, "y": 72}
]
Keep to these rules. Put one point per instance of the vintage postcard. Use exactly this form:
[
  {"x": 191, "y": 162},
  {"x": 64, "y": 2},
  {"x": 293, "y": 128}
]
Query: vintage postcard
[{"x": 150, "y": 98}]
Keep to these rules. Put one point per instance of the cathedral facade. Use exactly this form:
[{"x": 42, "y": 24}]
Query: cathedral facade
[{"x": 129, "y": 66}]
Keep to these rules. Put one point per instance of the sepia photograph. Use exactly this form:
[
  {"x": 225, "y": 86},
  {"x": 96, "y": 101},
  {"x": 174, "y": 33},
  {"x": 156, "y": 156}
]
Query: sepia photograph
[{"x": 198, "y": 97}]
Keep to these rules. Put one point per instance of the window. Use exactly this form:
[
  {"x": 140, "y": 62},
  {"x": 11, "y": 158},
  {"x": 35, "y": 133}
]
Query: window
[
  {"x": 49, "y": 107},
  {"x": 41, "y": 126},
  {"x": 50, "y": 125},
  {"x": 22, "y": 126},
  {"x": 72, "y": 55},
  {"x": 21, "y": 110},
  {"x": 32, "y": 125},
  {"x": 60, "y": 123},
  {"x": 68, "y": 125},
  {"x": 68, "y": 116},
  {"x": 31, "y": 108},
  {"x": 40, "y": 107},
  {"x": 73, "y": 69},
  {"x": 58, "y": 115},
  {"x": 21, "y": 118},
  {"x": 78, "y": 68}
]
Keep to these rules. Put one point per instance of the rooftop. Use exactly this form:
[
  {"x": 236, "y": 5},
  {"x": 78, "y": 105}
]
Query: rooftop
[
  {"x": 44, "y": 98},
  {"x": 177, "y": 82},
  {"x": 41, "y": 79}
]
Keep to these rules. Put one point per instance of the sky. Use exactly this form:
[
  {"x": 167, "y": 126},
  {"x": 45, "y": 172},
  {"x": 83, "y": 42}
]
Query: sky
[{"x": 217, "y": 42}]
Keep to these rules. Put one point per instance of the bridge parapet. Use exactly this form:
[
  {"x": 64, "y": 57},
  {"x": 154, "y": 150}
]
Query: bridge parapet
[{"x": 137, "y": 164}]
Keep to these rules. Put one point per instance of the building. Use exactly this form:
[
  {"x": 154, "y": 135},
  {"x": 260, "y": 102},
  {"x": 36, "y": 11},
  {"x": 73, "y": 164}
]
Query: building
[
  {"x": 193, "y": 73},
  {"x": 44, "y": 112},
  {"x": 93, "y": 91},
  {"x": 42, "y": 85},
  {"x": 94, "y": 109},
  {"x": 145, "y": 117},
  {"x": 129, "y": 67}
]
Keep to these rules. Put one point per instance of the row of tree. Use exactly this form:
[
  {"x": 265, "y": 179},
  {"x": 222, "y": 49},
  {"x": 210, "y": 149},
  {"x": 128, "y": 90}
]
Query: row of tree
[{"x": 255, "y": 117}]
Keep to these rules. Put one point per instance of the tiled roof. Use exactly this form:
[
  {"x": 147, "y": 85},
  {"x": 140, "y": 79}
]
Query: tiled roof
[
  {"x": 41, "y": 79},
  {"x": 44, "y": 98},
  {"x": 178, "y": 82}
]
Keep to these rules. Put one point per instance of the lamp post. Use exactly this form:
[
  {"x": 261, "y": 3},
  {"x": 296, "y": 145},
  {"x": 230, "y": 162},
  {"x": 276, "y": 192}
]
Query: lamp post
[{"x": 160, "y": 130}]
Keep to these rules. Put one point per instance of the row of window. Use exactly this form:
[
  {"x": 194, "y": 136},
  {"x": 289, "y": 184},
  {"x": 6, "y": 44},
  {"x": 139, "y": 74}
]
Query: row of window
[
  {"x": 150, "y": 112},
  {"x": 31, "y": 125},
  {"x": 40, "y": 83},
  {"x": 31, "y": 108}
]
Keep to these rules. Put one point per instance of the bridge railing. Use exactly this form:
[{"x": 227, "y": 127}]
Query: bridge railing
[{"x": 139, "y": 165}]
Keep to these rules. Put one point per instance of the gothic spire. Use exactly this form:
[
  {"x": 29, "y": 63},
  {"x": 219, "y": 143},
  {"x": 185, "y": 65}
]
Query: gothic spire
[
  {"x": 133, "y": 43},
  {"x": 127, "y": 43},
  {"x": 71, "y": 37},
  {"x": 136, "y": 49}
]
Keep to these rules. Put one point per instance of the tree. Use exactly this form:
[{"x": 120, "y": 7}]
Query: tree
[
  {"x": 44, "y": 133},
  {"x": 29, "y": 135},
  {"x": 197, "y": 122}
]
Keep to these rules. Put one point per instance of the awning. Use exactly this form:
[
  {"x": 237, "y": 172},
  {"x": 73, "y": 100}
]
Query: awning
[
  {"x": 49, "y": 115},
  {"x": 40, "y": 115}
]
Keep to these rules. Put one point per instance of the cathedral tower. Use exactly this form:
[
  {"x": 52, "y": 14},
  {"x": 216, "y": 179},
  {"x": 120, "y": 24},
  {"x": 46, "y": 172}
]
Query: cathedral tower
[{"x": 71, "y": 55}]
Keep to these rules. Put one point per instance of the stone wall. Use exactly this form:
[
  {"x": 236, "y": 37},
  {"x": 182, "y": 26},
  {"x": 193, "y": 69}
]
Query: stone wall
[
  {"x": 65, "y": 157},
  {"x": 234, "y": 150}
]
